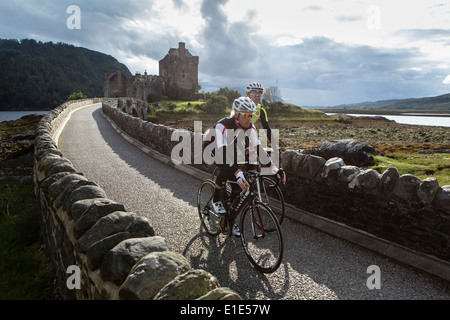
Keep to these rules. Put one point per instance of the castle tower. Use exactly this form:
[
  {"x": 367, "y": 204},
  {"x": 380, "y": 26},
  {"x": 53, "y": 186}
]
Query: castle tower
[{"x": 180, "y": 67}]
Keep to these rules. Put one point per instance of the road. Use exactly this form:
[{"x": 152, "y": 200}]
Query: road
[{"x": 315, "y": 265}]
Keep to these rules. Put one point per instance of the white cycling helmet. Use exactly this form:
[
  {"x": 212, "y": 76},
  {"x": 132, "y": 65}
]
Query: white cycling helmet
[
  {"x": 244, "y": 105},
  {"x": 254, "y": 86}
]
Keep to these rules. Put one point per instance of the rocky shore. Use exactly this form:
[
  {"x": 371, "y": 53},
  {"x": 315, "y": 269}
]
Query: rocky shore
[
  {"x": 16, "y": 149},
  {"x": 384, "y": 135}
]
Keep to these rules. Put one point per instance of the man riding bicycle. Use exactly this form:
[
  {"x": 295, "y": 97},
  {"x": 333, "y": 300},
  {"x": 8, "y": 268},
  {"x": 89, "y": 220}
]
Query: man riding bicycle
[
  {"x": 255, "y": 91},
  {"x": 237, "y": 133}
]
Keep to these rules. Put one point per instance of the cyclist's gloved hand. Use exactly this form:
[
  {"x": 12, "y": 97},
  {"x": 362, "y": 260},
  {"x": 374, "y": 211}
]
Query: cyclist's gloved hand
[
  {"x": 241, "y": 180},
  {"x": 281, "y": 175}
]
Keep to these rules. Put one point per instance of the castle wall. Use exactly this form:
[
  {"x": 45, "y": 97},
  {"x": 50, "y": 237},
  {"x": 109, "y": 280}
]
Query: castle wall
[{"x": 178, "y": 66}]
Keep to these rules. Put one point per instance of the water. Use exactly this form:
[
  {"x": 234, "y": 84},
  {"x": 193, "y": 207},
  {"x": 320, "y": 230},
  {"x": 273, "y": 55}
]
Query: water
[
  {"x": 413, "y": 119},
  {"x": 14, "y": 115},
  {"x": 423, "y": 120}
]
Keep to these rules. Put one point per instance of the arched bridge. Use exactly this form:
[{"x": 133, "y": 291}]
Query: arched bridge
[{"x": 315, "y": 266}]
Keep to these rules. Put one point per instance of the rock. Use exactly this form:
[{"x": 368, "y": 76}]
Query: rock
[
  {"x": 79, "y": 207},
  {"x": 72, "y": 185},
  {"x": 368, "y": 179},
  {"x": 97, "y": 252},
  {"x": 121, "y": 259},
  {"x": 286, "y": 160},
  {"x": 97, "y": 209},
  {"x": 312, "y": 165},
  {"x": 406, "y": 187},
  {"x": 427, "y": 190},
  {"x": 348, "y": 173},
  {"x": 60, "y": 166},
  {"x": 389, "y": 179},
  {"x": 152, "y": 273},
  {"x": 352, "y": 152},
  {"x": 189, "y": 286},
  {"x": 221, "y": 294},
  {"x": 442, "y": 198},
  {"x": 82, "y": 193},
  {"x": 140, "y": 228},
  {"x": 297, "y": 161},
  {"x": 112, "y": 223},
  {"x": 330, "y": 165},
  {"x": 47, "y": 182},
  {"x": 48, "y": 160}
]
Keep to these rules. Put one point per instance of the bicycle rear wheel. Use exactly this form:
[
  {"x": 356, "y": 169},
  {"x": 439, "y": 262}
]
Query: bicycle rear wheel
[
  {"x": 264, "y": 249},
  {"x": 273, "y": 197},
  {"x": 205, "y": 210}
]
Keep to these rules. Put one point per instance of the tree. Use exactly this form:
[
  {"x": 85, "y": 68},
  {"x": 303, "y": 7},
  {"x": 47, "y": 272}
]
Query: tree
[
  {"x": 77, "y": 96},
  {"x": 216, "y": 104},
  {"x": 229, "y": 93},
  {"x": 272, "y": 95}
]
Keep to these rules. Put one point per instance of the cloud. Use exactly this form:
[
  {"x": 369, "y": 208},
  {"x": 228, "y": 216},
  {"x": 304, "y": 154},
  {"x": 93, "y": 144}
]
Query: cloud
[
  {"x": 312, "y": 7},
  {"x": 425, "y": 34},
  {"x": 230, "y": 49},
  {"x": 349, "y": 18},
  {"x": 309, "y": 52}
]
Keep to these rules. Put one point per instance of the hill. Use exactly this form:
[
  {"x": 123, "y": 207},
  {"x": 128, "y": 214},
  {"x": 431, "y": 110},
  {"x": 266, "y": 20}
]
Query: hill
[
  {"x": 438, "y": 103},
  {"x": 38, "y": 75}
]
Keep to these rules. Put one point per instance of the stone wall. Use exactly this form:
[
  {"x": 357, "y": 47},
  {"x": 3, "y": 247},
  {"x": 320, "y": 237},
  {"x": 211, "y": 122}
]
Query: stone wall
[
  {"x": 400, "y": 209},
  {"x": 100, "y": 250}
]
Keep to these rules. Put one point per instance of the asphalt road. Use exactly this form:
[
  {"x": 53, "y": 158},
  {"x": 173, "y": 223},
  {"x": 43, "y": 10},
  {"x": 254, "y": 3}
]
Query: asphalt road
[{"x": 315, "y": 265}]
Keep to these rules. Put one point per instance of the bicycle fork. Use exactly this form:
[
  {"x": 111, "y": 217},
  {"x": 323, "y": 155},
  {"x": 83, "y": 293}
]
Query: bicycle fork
[{"x": 257, "y": 221}]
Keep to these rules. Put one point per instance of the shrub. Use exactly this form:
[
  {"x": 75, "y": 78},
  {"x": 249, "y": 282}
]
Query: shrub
[{"x": 77, "y": 96}]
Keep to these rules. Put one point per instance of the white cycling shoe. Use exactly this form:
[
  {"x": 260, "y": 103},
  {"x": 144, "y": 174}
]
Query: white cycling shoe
[
  {"x": 218, "y": 207},
  {"x": 235, "y": 230}
]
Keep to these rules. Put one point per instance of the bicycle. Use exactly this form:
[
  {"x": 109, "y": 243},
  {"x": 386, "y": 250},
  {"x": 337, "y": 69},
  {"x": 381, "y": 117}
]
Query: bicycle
[
  {"x": 269, "y": 193},
  {"x": 261, "y": 235}
]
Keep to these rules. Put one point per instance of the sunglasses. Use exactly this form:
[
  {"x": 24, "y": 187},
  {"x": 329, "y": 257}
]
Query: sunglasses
[{"x": 247, "y": 115}]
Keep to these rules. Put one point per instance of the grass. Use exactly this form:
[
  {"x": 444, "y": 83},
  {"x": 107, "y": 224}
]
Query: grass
[
  {"x": 191, "y": 110},
  {"x": 25, "y": 271},
  {"x": 420, "y": 165},
  {"x": 16, "y": 126}
]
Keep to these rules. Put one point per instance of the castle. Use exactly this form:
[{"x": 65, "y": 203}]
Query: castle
[{"x": 179, "y": 67}]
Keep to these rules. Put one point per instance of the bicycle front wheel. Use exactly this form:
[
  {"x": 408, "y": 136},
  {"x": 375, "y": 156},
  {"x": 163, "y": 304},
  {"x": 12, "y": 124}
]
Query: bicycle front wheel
[
  {"x": 264, "y": 249},
  {"x": 273, "y": 197}
]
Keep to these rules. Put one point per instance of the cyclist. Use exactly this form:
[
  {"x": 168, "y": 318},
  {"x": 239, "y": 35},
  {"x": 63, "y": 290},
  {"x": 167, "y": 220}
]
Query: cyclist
[
  {"x": 221, "y": 134},
  {"x": 255, "y": 92}
]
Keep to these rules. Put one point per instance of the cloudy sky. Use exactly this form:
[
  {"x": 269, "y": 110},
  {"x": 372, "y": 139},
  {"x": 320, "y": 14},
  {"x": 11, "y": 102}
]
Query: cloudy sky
[{"x": 317, "y": 52}]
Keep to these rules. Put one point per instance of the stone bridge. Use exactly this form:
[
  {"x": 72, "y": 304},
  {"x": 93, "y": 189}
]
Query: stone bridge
[{"x": 398, "y": 216}]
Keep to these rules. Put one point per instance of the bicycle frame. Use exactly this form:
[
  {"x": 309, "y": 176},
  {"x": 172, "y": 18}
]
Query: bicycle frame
[{"x": 248, "y": 200}]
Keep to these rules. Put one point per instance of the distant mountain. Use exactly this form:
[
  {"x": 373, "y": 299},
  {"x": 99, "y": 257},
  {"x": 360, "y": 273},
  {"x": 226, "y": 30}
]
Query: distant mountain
[
  {"x": 438, "y": 103},
  {"x": 36, "y": 75}
]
